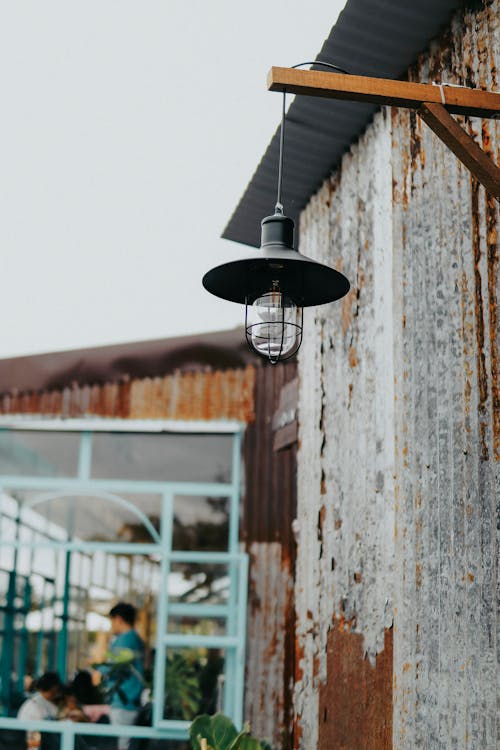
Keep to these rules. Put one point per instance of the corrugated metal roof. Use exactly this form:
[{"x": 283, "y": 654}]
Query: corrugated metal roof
[
  {"x": 371, "y": 37},
  {"x": 112, "y": 364}
]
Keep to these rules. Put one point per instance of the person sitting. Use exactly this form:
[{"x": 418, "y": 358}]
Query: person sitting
[
  {"x": 71, "y": 707},
  {"x": 85, "y": 691},
  {"x": 42, "y": 706}
]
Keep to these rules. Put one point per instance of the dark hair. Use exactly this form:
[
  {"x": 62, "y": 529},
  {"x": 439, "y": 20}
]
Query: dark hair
[
  {"x": 48, "y": 680},
  {"x": 126, "y": 611},
  {"x": 84, "y": 690}
]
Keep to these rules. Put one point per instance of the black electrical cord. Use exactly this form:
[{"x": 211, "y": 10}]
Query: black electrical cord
[
  {"x": 279, "y": 206},
  {"x": 327, "y": 65}
]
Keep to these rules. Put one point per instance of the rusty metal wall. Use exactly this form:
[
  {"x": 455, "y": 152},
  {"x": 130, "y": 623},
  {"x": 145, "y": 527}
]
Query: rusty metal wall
[
  {"x": 448, "y": 414},
  {"x": 346, "y": 460},
  {"x": 220, "y": 394},
  {"x": 269, "y": 509},
  {"x": 399, "y": 435}
]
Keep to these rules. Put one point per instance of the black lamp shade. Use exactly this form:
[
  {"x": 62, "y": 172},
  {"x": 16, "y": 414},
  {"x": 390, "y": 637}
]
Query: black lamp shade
[{"x": 304, "y": 280}]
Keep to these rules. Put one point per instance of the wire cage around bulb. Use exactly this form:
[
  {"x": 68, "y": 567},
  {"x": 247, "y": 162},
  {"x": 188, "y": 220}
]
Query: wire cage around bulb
[{"x": 273, "y": 326}]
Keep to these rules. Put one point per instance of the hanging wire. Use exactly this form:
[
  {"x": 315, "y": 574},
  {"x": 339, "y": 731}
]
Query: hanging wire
[{"x": 279, "y": 205}]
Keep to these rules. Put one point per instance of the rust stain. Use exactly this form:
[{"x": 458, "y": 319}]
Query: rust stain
[
  {"x": 355, "y": 703},
  {"x": 316, "y": 665},
  {"x": 415, "y": 146},
  {"x": 418, "y": 575},
  {"x": 297, "y": 733},
  {"x": 299, "y": 659},
  {"x": 353, "y": 357},
  {"x": 346, "y": 312},
  {"x": 479, "y": 314},
  {"x": 199, "y": 395},
  {"x": 270, "y": 667},
  {"x": 299, "y": 674},
  {"x": 492, "y": 250},
  {"x": 321, "y": 521}
]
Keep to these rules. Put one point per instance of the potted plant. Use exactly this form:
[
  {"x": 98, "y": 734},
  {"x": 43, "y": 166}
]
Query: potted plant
[{"x": 219, "y": 733}]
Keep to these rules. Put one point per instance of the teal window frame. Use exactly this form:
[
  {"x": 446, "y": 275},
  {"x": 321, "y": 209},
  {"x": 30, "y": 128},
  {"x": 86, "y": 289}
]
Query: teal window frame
[{"x": 234, "y": 611}]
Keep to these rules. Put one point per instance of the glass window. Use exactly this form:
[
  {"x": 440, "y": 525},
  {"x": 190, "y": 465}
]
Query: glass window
[
  {"x": 55, "y": 598},
  {"x": 132, "y": 518},
  {"x": 194, "y": 682},
  {"x": 39, "y": 454},
  {"x": 198, "y": 583},
  {"x": 162, "y": 457},
  {"x": 184, "y": 625},
  {"x": 200, "y": 524}
]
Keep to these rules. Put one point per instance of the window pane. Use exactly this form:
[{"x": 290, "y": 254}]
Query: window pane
[
  {"x": 196, "y": 582},
  {"x": 201, "y": 523},
  {"x": 39, "y": 454},
  {"x": 197, "y": 625},
  {"x": 64, "y": 626},
  {"x": 194, "y": 679},
  {"x": 94, "y": 518},
  {"x": 162, "y": 458}
]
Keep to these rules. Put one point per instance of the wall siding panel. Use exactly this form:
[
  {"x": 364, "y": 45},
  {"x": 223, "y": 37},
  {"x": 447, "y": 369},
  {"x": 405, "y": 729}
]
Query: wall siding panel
[
  {"x": 398, "y": 465},
  {"x": 346, "y": 455}
]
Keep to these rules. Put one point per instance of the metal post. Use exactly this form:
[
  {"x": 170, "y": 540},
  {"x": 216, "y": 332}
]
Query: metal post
[
  {"x": 161, "y": 625},
  {"x": 7, "y": 656},
  {"x": 62, "y": 641},
  {"x": 232, "y": 620},
  {"x": 24, "y": 638}
]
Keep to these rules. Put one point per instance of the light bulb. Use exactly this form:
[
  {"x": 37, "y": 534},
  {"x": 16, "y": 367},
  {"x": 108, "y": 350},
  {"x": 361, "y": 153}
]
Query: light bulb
[{"x": 274, "y": 326}]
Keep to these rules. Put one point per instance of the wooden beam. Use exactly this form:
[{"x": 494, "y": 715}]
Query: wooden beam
[
  {"x": 457, "y": 100},
  {"x": 463, "y": 146}
]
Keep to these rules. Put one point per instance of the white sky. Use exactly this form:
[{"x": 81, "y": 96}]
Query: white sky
[{"x": 128, "y": 132}]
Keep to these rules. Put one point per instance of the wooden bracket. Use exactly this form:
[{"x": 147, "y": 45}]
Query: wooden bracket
[
  {"x": 433, "y": 103},
  {"x": 463, "y": 145}
]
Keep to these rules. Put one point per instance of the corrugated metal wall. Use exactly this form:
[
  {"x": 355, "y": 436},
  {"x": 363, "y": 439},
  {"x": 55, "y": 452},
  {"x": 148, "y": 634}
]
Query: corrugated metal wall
[
  {"x": 448, "y": 411},
  {"x": 399, "y": 436},
  {"x": 269, "y": 509},
  {"x": 346, "y": 464},
  {"x": 220, "y": 394}
]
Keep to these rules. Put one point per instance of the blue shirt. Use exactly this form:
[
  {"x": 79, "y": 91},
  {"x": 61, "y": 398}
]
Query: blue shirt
[{"x": 127, "y": 684}]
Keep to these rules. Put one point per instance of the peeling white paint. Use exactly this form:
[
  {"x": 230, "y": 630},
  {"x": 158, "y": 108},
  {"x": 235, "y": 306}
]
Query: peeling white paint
[
  {"x": 346, "y": 456},
  {"x": 398, "y": 439}
]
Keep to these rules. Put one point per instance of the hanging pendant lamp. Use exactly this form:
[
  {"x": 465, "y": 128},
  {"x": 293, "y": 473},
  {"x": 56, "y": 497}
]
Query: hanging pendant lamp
[{"x": 276, "y": 284}]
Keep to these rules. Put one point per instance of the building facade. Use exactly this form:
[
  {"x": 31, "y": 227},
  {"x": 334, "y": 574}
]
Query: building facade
[
  {"x": 218, "y": 443},
  {"x": 398, "y": 489},
  {"x": 396, "y": 588}
]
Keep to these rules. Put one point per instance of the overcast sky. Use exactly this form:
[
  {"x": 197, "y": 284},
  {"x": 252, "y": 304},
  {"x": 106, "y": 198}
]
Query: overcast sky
[{"x": 128, "y": 133}]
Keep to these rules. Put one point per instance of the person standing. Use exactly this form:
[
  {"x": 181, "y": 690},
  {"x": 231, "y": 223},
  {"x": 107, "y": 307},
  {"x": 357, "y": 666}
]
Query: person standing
[{"x": 124, "y": 668}]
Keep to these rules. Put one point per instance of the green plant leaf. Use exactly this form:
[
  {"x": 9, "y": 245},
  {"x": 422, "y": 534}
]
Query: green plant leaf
[
  {"x": 223, "y": 732},
  {"x": 249, "y": 743},
  {"x": 236, "y": 743},
  {"x": 200, "y": 727},
  {"x": 218, "y": 730}
]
